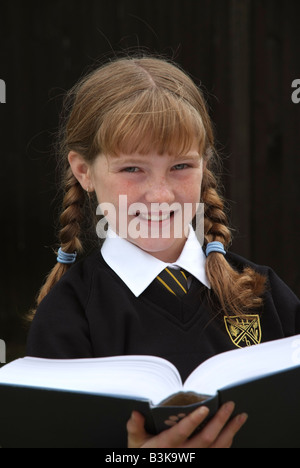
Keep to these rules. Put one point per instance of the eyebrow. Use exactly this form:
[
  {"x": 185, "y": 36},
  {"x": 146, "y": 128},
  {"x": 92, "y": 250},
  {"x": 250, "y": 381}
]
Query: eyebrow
[
  {"x": 191, "y": 155},
  {"x": 134, "y": 159}
]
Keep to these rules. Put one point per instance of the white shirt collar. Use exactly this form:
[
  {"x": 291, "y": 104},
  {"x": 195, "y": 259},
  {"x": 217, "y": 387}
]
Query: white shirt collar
[{"x": 138, "y": 269}]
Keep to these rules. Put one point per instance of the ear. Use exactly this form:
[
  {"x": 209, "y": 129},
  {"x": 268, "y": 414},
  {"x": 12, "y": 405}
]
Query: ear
[{"x": 81, "y": 170}]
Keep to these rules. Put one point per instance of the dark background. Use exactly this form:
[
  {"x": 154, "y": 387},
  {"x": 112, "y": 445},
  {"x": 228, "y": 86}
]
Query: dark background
[{"x": 246, "y": 55}]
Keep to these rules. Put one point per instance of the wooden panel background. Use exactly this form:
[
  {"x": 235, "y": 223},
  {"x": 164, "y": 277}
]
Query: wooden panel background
[{"x": 245, "y": 53}]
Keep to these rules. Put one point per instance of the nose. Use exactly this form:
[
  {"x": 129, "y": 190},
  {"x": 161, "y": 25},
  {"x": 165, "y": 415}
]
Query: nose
[{"x": 159, "y": 191}]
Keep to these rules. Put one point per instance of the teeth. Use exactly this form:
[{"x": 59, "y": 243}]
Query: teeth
[{"x": 156, "y": 218}]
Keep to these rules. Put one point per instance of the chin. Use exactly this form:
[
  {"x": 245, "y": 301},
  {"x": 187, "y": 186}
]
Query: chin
[{"x": 167, "y": 250}]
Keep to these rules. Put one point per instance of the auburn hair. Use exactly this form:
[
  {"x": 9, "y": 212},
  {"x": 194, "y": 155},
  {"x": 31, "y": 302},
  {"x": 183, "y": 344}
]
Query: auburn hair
[{"x": 141, "y": 104}]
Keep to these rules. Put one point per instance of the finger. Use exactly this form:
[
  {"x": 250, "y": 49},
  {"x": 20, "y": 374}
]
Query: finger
[
  {"x": 177, "y": 436},
  {"x": 225, "y": 439},
  {"x": 137, "y": 435},
  {"x": 208, "y": 436}
]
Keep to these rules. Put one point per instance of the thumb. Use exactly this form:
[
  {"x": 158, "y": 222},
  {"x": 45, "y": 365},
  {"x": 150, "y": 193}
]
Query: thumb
[{"x": 137, "y": 435}]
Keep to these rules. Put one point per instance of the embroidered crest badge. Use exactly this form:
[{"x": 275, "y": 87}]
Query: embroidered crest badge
[{"x": 244, "y": 331}]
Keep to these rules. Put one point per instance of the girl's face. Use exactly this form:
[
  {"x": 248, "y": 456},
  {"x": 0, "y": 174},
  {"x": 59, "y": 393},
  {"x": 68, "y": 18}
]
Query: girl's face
[{"x": 150, "y": 200}]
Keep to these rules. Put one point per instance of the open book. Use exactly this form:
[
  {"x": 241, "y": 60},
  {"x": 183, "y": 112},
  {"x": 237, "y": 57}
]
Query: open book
[{"x": 99, "y": 394}]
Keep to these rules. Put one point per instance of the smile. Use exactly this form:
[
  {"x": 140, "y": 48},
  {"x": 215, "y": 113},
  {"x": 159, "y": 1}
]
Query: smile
[{"x": 154, "y": 217}]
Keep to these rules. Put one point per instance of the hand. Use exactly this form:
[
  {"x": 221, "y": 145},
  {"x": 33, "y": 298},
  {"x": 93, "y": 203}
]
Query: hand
[{"x": 216, "y": 434}]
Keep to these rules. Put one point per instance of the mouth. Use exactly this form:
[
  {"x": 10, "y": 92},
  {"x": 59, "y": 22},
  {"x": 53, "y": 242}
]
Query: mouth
[{"x": 155, "y": 217}]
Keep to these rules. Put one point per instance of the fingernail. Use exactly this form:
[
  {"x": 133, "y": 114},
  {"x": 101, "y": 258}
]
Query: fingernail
[
  {"x": 229, "y": 407},
  {"x": 203, "y": 411},
  {"x": 242, "y": 418}
]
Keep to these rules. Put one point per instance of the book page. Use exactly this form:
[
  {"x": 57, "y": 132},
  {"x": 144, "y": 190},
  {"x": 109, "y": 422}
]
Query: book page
[
  {"x": 242, "y": 364},
  {"x": 143, "y": 377}
]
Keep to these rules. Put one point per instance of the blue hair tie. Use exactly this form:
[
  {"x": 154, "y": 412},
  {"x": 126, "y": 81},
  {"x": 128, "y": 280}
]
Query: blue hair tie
[
  {"x": 215, "y": 247},
  {"x": 66, "y": 258}
]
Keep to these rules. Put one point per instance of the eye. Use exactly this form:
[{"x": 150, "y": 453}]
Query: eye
[
  {"x": 130, "y": 170},
  {"x": 180, "y": 167}
]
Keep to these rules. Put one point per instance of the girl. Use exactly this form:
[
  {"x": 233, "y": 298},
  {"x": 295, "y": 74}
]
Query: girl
[{"x": 138, "y": 141}]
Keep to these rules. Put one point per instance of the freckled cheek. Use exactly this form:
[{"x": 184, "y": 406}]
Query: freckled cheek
[
  {"x": 190, "y": 192},
  {"x": 133, "y": 191},
  {"x": 115, "y": 192},
  {"x": 185, "y": 191}
]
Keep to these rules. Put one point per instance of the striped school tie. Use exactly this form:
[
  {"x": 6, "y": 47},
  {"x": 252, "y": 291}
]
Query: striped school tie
[{"x": 175, "y": 281}]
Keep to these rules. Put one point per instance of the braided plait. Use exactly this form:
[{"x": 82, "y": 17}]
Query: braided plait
[
  {"x": 215, "y": 221},
  {"x": 236, "y": 292},
  {"x": 70, "y": 218},
  {"x": 72, "y": 214}
]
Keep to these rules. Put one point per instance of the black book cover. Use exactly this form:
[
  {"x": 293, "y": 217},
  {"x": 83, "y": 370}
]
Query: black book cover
[{"x": 41, "y": 418}]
